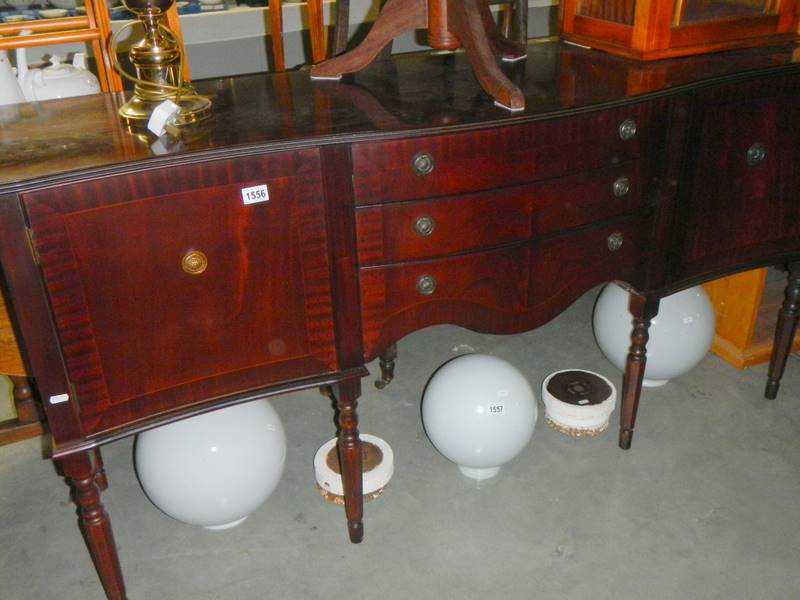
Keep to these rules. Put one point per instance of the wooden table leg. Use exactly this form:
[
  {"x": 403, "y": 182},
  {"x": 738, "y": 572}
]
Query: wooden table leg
[
  {"x": 387, "y": 359},
  {"x": 643, "y": 310},
  {"x": 349, "y": 445},
  {"x": 84, "y": 473},
  {"x": 784, "y": 332},
  {"x": 397, "y": 16},
  {"x": 469, "y": 21},
  {"x": 28, "y": 422}
]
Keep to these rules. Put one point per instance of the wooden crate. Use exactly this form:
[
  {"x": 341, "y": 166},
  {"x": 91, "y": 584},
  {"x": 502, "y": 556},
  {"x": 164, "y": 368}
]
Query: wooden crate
[{"x": 747, "y": 307}]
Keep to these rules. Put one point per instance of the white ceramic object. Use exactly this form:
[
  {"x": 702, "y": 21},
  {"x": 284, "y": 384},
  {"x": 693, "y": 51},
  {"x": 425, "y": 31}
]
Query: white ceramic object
[
  {"x": 680, "y": 335},
  {"x": 479, "y": 411},
  {"x": 10, "y": 92},
  {"x": 372, "y": 480},
  {"x": 578, "y": 403},
  {"x": 59, "y": 80},
  {"x": 214, "y": 469},
  {"x": 63, "y": 3},
  {"x": 53, "y": 13}
]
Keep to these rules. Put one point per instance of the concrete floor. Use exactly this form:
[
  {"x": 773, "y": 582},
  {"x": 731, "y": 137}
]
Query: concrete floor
[{"x": 705, "y": 505}]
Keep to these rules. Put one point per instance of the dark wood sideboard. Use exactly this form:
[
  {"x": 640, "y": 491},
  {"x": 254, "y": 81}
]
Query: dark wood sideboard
[{"x": 145, "y": 290}]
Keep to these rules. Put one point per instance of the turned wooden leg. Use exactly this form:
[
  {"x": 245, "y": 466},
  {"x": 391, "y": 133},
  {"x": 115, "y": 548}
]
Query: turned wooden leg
[
  {"x": 27, "y": 409},
  {"x": 28, "y": 422},
  {"x": 387, "y": 359},
  {"x": 643, "y": 310},
  {"x": 81, "y": 471},
  {"x": 349, "y": 447},
  {"x": 784, "y": 332},
  {"x": 100, "y": 471},
  {"x": 397, "y": 16},
  {"x": 466, "y": 22}
]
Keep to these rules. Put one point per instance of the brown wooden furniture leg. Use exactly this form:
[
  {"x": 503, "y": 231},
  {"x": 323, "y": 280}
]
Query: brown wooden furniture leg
[
  {"x": 397, "y": 16},
  {"x": 100, "y": 471},
  {"x": 466, "y": 22},
  {"x": 505, "y": 48},
  {"x": 349, "y": 445},
  {"x": 643, "y": 310},
  {"x": 341, "y": 26},
  {"x": 784, "y": 332},
  {"x": 387, "y": 359},
  {"x": 81, "y": 471},
  {"x": 28, "y": 422}
]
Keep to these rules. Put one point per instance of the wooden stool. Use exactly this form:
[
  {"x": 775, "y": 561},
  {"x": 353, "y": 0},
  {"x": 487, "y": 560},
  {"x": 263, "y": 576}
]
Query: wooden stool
[{"x": 27, "y": 424}]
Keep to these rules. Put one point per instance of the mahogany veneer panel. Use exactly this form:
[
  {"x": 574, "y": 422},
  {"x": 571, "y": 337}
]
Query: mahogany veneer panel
[
  {"x": 739, "y": 212},
  {"x": 141, "y": 336},
  {"x": 386, "y": 233},
  {"x": 382, "y": 171},
  {"x": 503, "y": 291}
]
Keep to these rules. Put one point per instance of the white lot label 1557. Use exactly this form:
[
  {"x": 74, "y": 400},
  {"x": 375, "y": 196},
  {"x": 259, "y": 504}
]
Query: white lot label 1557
[
  {"x": 254, "y": 194},
  {"x": 496, "y": 408}
]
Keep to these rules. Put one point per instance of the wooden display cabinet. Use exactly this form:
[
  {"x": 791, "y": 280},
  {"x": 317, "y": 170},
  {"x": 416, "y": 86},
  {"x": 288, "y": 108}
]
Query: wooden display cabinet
[{"x": 654, "y": 29}]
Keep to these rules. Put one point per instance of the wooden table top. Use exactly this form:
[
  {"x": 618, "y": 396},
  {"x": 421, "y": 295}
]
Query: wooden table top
[{"x": 420, "y": 92}]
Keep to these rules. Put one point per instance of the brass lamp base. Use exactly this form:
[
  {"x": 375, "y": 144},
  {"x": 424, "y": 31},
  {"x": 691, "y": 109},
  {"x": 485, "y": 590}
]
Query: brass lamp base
[{"x": 135, "y": 113}]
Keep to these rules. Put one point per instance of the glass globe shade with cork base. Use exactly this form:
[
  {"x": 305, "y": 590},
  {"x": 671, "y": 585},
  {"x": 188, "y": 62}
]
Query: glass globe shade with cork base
[
  {"x": 479, "y": 411},
  {"x": 377, "y": 466},
  {"x": 159, "y": 86}
]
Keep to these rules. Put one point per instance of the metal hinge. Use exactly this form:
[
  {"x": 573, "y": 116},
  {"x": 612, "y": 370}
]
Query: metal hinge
[{"x": 32, "y": 245}]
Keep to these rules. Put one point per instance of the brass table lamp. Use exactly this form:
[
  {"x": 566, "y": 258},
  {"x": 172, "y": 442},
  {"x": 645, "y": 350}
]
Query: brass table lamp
[{"x": 158, "y": 62}]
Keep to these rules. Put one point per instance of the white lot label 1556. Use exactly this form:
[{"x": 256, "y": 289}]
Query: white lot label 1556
[{"x": 256, "y": 193}]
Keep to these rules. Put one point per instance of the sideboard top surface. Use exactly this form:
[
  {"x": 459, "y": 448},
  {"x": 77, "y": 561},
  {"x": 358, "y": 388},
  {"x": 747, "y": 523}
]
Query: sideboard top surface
[{"x": 408, "y": 94}]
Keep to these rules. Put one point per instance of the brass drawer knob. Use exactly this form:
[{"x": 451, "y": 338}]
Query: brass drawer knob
[
  {"x": 424, "y": 225},
  {"x": 426, "y": 285},
  {"x": 622, "y": 185},
  {"x": 194, "y": 262},
  {"x": 614, "y": 241},
  {"x": 755, "y": 154},
  {"x": 422, "y": 163},
  {"x": 627, "y": 129}
]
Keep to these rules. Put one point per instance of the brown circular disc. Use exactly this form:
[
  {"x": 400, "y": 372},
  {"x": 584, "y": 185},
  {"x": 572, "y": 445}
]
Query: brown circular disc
[
  {"x": 578, "y": 387},
  {"x": 371, "y": 457}
]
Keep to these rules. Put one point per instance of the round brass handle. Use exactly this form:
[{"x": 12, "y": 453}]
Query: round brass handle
[
  {"x": 622, "y": 185},
  {"x": 614, "y": 241},
  {"x": 627, "y": 129},
  {"x": 755, "y": 154},
  {"x": 426, "y": 285},
  {"x": 194, "y": 262},
  {"x": 422, "y": 163},
  {"x": 424, "y": 225}
]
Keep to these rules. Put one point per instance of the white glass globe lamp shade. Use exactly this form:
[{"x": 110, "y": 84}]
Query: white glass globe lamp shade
[
  {"x": 479, "y": 411},
  {"x": 214, "y": 469},
  {"x": 680, "y": 334}
]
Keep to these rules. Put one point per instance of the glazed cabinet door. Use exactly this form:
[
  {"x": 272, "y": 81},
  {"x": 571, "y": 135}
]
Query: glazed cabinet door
[
  {"x": 742, "y": 182},
  {"x": 177, "y": 285}
]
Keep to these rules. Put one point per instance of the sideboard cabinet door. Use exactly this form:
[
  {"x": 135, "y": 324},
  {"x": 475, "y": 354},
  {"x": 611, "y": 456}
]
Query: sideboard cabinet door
[
  {"x": 173, "y": 286},
  {"x": 742, "y": 203}
]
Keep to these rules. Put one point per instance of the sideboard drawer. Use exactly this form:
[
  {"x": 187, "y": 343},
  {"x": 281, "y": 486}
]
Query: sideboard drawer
[
  {"x": 464, "y": 162},
  {"x": 402, "y": 231},
  {"x": 506, "y": 290},
  {"x": 744, "y": 201},
  {"x": 167, "y": 289}
]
